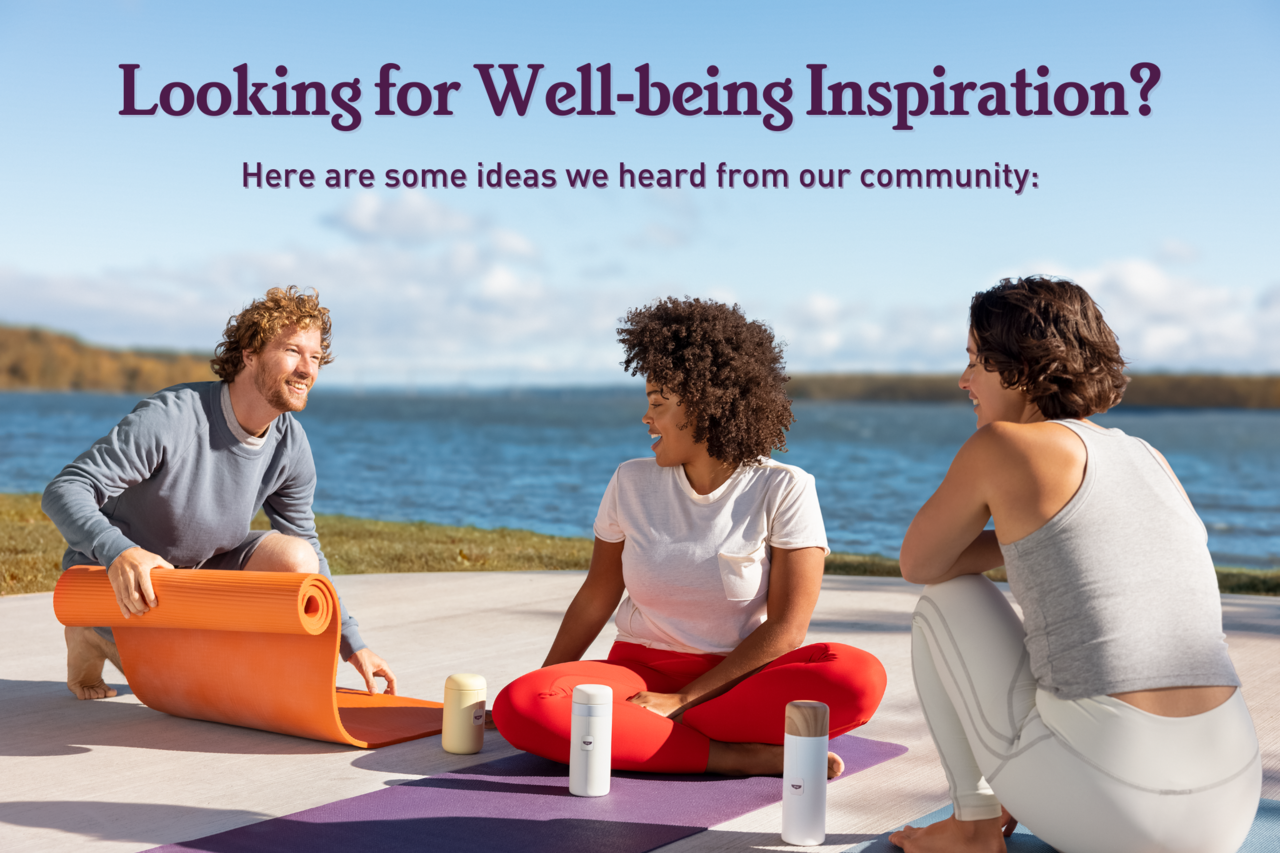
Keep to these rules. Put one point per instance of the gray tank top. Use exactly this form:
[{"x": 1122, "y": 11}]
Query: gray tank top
[{"x": 1118, "y": 591}]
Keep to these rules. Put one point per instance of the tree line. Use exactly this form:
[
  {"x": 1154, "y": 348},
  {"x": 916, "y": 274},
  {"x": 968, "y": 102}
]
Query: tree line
[
  {"x": 1174, "y": 390},
  {"x": 43, "y": 360},
  {"x": 37, "y": 359}
]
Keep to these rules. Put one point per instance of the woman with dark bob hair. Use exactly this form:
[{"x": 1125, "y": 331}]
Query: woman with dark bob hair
[
  {"x": 1108, "y": 718},
  {"x": 720, "y": 551}
]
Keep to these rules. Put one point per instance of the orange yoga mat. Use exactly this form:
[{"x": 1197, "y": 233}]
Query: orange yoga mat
[{"x": 253, "y": 649}]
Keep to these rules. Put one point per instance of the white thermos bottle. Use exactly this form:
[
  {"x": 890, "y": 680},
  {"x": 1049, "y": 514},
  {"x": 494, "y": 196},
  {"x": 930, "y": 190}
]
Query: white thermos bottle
[
  {"x": 591, "y": 747},
  {"x": 804, "y": 774},
  {"x": 462, "y": 729}
]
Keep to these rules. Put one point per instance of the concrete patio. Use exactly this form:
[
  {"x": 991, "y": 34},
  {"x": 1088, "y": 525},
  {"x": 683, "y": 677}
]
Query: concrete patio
[{"x": 126, "y": 778}]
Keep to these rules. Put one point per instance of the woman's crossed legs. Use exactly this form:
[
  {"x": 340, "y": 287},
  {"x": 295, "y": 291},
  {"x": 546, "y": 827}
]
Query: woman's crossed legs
[{"x": 533, "y": 712}]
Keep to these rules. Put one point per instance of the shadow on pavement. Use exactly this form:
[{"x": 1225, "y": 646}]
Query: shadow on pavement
[{"x": 44, "y": 718}]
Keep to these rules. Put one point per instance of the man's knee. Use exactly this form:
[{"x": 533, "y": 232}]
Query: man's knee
[{"x": 281, "y": 553}]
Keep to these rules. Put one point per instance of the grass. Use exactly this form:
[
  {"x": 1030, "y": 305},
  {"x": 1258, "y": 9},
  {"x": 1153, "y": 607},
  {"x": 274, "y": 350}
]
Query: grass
[
  {"x": 31, "y": 551},
  {"x": 31, "y": 547},
  {"x": 357, "y": 546},
  {"x": 862, "y": 564}
]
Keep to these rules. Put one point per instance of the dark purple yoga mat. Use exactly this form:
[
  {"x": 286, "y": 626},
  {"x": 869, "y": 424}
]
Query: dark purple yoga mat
[{"x": 523, "y": 802}]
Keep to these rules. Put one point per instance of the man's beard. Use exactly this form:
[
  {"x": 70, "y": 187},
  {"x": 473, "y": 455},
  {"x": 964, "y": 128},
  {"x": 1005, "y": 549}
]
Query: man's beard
[{"x": 273, "y": 391}]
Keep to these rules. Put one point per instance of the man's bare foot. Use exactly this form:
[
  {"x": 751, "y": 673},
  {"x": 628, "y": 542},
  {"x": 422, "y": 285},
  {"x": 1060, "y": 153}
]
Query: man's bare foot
[
  {"x": 87, "y": 651},
  {"x": 757, "y": 759},
  {"x": 952, "y": 836}
]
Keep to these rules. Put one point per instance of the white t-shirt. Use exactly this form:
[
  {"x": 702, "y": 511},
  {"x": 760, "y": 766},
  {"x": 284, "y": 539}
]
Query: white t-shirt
[{"x": 696, "y": 567}]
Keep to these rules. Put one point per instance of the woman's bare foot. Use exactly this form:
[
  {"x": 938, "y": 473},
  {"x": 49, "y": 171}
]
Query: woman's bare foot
[
  {"x": 757, "y": 759},
  {"x": 87, "y": 651},
  {"x": 952, "y": 836}
]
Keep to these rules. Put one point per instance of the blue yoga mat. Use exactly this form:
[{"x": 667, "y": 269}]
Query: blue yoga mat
[{"x": 1264, "y": 836}]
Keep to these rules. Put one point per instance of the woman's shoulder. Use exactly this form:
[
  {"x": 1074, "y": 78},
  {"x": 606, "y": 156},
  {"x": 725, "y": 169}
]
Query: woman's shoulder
[
  {"x": 1005, "y": 455},
  {"x": 774, "y": 472},
  {"x": 637, "y": 470},
  {"x": 1004, "y": 437}
]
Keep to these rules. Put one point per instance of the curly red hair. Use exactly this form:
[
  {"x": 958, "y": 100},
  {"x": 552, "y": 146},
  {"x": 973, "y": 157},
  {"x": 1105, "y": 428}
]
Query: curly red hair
[{"x": 255, "y": 327}]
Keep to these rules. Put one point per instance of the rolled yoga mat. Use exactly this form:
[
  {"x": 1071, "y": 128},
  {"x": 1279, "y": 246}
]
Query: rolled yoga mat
[{"x": 252, "y": 649}]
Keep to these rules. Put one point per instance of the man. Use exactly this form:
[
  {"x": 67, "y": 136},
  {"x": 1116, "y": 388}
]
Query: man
[{"x": 177, "y": 482}]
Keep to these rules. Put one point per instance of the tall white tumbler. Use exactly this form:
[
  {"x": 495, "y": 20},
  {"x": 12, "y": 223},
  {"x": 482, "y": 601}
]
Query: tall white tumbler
[
  {"x": 804, "y": 774},
  {"x": 591, "y": 747}
]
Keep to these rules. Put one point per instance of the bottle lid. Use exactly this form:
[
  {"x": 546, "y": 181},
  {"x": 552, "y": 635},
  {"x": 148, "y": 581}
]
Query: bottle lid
[
  {"x": 807, "y": 719},
  {"x": 593, "y": 694},
  {"x": 464, "y": 681}
]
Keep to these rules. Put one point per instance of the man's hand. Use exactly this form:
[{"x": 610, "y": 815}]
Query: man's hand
[
  {"x": 369, "y": 665},
  {"x": 662, "y": 704},
  {"x": 130, "y": 577}
]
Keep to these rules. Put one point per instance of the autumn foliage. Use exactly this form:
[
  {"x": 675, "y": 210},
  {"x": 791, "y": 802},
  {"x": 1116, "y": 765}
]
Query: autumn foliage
[{"x": 36, "y": 359}]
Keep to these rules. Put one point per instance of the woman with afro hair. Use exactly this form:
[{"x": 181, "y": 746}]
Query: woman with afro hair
[{"x": 720, "y": 552}]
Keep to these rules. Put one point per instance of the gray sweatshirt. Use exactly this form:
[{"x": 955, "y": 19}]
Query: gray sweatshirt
[{"x": 173, "y": 479}]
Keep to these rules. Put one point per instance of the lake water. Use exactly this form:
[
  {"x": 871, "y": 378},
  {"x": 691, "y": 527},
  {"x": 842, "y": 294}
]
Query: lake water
[{"x": 541, "y": 459}]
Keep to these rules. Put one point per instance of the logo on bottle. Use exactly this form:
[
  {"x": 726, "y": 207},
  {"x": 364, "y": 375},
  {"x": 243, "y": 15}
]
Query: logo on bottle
[
  {"x": 795, "y": 786},
  {"x": 588, "y": 742}
]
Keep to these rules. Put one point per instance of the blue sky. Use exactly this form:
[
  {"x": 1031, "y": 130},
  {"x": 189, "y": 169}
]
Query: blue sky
[{"x": 136, "y": 231}]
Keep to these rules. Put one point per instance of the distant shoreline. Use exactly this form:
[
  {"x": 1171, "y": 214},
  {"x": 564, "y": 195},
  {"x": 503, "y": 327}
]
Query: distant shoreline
[
  {"x": 43, "y": 360},
  {"x": 1169, "y": 390},
  {"x": 1146, "y": 391},
  {"x": 32, "y": 549}
]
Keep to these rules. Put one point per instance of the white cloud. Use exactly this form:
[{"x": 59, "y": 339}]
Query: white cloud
[
  {"x": 1176, "y": 251},
  {"x": 400, "y": 318},
  {"x": 662, "y": 236},
  {"x": 513, "y": 244},
  {"x": 1171, "y": 322},
  {"x": 1164, "y": 321},
  {"x": 828, "y": 334},
  {"x": 426, "y": 295},
  {"x": 409, "y": 218},
  {"x": 676, "y": 223}
]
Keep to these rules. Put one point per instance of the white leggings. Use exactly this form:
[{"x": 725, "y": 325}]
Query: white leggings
[{"x": 1090, "y": 775}]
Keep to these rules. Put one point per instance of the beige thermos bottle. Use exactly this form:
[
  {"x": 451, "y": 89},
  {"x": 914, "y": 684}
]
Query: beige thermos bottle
[
  {"x": 804, "y": 774},
  {"x": 463, "y": 725}
]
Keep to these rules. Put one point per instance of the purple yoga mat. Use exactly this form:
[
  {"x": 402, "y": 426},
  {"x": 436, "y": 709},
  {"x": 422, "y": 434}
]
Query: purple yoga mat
[{"x": 523, "y": 802}]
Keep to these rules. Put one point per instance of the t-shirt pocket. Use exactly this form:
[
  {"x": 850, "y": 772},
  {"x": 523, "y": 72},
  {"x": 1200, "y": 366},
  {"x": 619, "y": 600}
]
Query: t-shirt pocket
[{"x": 743, "y": 575}]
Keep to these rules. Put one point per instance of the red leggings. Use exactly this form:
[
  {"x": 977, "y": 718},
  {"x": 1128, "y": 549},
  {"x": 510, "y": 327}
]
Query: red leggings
[{"x": 533, "y": 712}]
